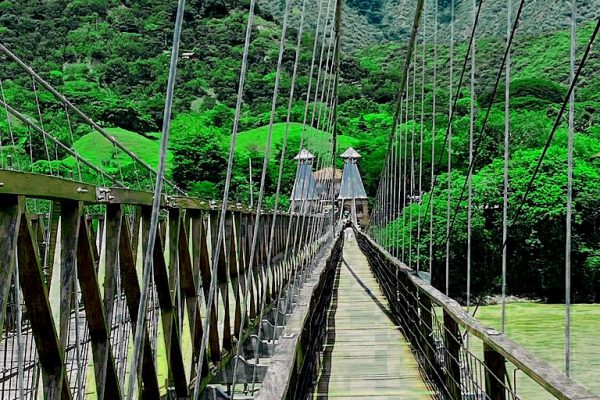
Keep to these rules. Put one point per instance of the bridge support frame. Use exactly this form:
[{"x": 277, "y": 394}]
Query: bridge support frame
[
  {"x": 452, "y": 341},
  {"x": 495, "y": 373}
]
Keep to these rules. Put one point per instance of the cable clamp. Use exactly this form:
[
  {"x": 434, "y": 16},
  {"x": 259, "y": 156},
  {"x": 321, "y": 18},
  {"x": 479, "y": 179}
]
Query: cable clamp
[
  {"x": 82, "y": 190},
  {"x": 103, "y": 194},
  {"x": 170, "y": 201}
]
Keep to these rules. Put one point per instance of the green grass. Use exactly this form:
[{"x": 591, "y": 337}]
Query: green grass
[
  {"x": 256, "y": 139},
  {"x": 98, "y": 150},
  {"x": 540, "y": 329}
]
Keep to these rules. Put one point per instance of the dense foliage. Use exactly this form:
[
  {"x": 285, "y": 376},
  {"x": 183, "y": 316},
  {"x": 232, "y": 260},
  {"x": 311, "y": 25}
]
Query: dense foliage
[{"x": 110, "y": 58}]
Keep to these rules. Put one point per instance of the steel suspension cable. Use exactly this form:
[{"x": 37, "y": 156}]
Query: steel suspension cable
[
  {"x": 41, "y": 121},
  {"x": 398, "y": 170},
  {"x": 148, "y": 256},
  {"x": 10, "y": 130},
  {"x": 73, "y": 141},
  {"x": 523, "y": 199},
  {"x": 307, "y": 105},
  {"x": 506, "y": 157},
  {"x": 433, "y": 132},
  {"x": 222, "y": 215},
  {"x": 25, "y": 120},
  {"x": 449, "y": 141},
  {"x": 79, "y": 113},
  {"x": 263, "y": 180},
  {"x": 556, "y": 125},
  {"x": 412, "y": 162},
  {"x": 470, "y": 175},
  {"x": 453, "y": 102},
  {"x": 482, "y": 131},
  {"x": 422, "y": 132},
  {"x": 405, "y": 173},
  {"x": 303, "y": 136},
  {"x": 284, "y": 149},
  {"x": 393, "y": 194},
  {"x": 569, "y": 216},
  {"x": 282, "y": 44},
  {"x": 338, "y": 50}
]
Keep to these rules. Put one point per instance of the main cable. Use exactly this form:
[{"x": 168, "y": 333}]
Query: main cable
[
  {"x": 148, "y": 256},
  {"x": 223, "y": 212}
]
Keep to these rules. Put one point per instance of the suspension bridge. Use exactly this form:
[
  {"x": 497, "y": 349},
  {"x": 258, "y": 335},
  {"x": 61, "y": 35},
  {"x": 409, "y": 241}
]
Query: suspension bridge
[{"x": 116, "y": 284}]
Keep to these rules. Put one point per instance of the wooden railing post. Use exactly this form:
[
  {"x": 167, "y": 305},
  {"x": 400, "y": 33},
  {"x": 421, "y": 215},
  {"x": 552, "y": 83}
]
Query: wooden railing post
[
  {"x": 10, "y": 219},
  {"x": 427, "y": 332},
  {"x": 452, "y": 342},
  {"x": 495, "y": 374}
]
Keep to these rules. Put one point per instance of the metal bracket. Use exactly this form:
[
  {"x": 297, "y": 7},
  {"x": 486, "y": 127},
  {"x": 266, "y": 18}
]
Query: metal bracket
[{"x": 103, "y": 194}]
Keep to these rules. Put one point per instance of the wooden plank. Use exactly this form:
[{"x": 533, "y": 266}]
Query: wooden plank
[
  {"x": 70, "y": 220},
  {"x": 48, "y": 260},
  {"x": 545, "y": 375},
  {"x": 55, "y": 188},
  {"x": 495, "y": 374},
  {"x": 213, "y": 334},
  {"x": 131, "y": 287},
  {"x": 366, "y": 355},
  {"x": 35, "y": 295},
  {"x": 190, "y": 279},
  {"x": 224, "y": 260},
  {"x": 284, "y": 363},
  {"x": 107, "y": 383},
  {"x": 114, "y": 224},
  {"x": 45, "y": 187},
  {"x": 234, "y": 268},
  {"x": 10, "y": 219},
  {"x": 169, "y": 321},
  {"x": 452, "y": 345}
]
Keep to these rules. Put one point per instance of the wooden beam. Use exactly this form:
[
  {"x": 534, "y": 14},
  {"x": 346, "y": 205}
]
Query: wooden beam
[
  {"x": 131, "y": 287},
  {"x": 35, "y": 295},
  {"x": 70, "y": 220},
  {"x": 495, "y": 374},
  {"x": 169, "y": 321},
  {"x": 10, "y": 219},
  {"x": 452, "y": 345},
  {"x": 107, "y": 382},
  {"x": 190, "y": 281}
]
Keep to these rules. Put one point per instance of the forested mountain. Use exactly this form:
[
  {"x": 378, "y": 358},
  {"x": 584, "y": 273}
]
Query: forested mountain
[
  {"x": 110, "y": 57},
  {"x": 369, "y": 22}
]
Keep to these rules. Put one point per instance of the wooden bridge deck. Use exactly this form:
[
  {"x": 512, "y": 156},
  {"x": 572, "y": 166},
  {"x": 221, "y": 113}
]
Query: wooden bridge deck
[{"x": 366, "y": 355}]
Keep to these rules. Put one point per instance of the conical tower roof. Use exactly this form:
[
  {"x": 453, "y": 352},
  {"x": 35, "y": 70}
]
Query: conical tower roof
[
  {"x": 350, "y": 153},
  {"x": 304, "y": 155},
  {"x": 305, "y": 186},
  {"x": 352, "y": 185}
]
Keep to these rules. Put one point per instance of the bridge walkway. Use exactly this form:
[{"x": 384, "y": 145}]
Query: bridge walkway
[{"x": 365, "y": 355}]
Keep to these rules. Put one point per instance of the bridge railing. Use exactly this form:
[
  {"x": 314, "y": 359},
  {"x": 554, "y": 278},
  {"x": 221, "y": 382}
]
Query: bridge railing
[
  {"x": 443, "y": 336},
  {"x": 71, "y": 257}
]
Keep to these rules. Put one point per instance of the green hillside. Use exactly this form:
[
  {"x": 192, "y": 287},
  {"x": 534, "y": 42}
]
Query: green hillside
[
  {"x": 255, "y": 140},
  {"x": 98, "y": 150}
]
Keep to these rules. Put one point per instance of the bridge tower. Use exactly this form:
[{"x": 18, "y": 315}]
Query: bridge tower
[
  {"x": 353, "y": 197},
  {"x": 305, "y": 195}
]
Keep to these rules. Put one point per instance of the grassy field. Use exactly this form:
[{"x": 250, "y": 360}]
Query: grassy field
[
  {"x": 540, "y": 329},
  {"x": 256, "y": 139},
  {"x": 97, "y": 149}
]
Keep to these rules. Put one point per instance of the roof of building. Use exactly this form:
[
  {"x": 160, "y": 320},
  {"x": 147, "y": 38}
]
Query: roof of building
[
  {"x": 352, "y": 186},
  {"x": 326, "y": 173},
  {"x": 305, "y": 186},
  {"x": 304, "y": 155},
  {"x": 350, "y": 153}
]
